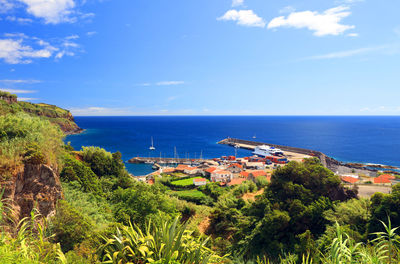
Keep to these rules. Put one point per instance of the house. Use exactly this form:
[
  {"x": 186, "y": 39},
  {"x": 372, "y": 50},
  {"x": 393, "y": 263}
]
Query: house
[
  {"x": 255, "y": 165},
  {"x": 236, "y": 181},
  {"x": 388, "y": 176},
  {"x": 349, "y": 179},
  {"x": 209, "y": 171},
  {"x": 167, "y": 170},
  {"x": 384, "y": 178},
  {"x": 252, "y": 174},
  {"x": 199, "y": 181},
  {"x": 192, "y": 171},
  {"x": 235, "y": 168},
  {"x": 181, "y": 168},
  {"x": 221, "y": 176}
]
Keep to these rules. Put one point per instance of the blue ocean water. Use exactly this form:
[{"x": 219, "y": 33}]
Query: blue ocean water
[{"x": 351, "y": 139}]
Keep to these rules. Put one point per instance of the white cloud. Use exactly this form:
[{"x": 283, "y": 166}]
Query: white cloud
[
  {"x": 352, "y": 34},
  {"x": 244, "y": 18},
  {"x": 52, "y": 11},
  {"x": 20, "y": 20},
  {"x": 167, "y": 83},
  {"x": 5, "y": 6},
  {"x": 350, "y": 53},
  {"x": 287, "y": 9},
  {"x": 18, "y": 48},
  {"x": 72, "y": 37},
  {"x": 91, "y": 33},
  {"x": 325, "y": 23},
  {"x": 100, "y": 111},
  {"x": 27, "y": 99},
  {"x": 237, "y": 2},
  {"x": 17, "y": 91},
  {"x": 14, "y": 52},
  {"x": 348, "y": 1},
  {"x": 19, "y": 81}
]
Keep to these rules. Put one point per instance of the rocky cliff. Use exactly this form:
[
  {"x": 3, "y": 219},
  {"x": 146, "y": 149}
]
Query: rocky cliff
[{"x": 33, "y": 186}]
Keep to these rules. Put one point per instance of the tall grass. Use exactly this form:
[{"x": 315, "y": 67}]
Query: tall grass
[{"x": 166, "y": 242}]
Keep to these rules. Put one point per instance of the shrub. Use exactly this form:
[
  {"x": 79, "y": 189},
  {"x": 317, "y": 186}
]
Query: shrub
[{"x": 70, "y": 226}]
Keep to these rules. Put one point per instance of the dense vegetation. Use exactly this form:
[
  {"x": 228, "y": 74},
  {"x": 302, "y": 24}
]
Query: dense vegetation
[
  {"x": 304, "y": 215},
  {"x": 52, "y": 113}
]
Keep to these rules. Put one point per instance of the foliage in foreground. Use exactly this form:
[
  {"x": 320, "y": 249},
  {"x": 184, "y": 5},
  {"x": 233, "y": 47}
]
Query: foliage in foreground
[
  {"x": 167, "y": 242},
  {"x": 29, "y": 139}
]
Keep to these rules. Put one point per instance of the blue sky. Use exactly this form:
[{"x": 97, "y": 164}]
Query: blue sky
[{"x": 203, "y": 57}]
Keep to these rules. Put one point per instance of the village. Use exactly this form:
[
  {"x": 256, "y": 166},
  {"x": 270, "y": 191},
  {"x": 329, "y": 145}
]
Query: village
[{"x": 231, "y": 171}]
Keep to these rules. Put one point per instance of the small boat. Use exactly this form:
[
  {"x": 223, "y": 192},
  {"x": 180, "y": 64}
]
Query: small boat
[
  {"x": 254, "y": 136},
  {"x": 152, "y": 145}
]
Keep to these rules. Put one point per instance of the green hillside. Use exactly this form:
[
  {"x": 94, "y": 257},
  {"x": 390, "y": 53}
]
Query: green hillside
[{"x": 9, "y": 104}]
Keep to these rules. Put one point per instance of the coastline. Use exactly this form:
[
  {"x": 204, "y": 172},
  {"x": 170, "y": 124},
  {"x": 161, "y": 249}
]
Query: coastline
[
  {"x": 74, "y": 132},
  {"x": 328, "y": 162}
]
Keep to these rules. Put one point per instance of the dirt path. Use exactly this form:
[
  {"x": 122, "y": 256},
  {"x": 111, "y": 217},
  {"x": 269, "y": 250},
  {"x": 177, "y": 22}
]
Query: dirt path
[
  {"x": 203, "y": 226},
  {"x": 252, "y": 196},
  {"x": 367, "y": 191}
]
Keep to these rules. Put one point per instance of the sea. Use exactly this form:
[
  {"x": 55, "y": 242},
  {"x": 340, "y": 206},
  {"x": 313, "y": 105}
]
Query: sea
[{"x": 362, "y": 139}]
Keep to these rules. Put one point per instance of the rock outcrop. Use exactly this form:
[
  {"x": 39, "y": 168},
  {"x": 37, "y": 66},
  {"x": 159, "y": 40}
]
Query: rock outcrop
[{"x": 34, "y": 186}]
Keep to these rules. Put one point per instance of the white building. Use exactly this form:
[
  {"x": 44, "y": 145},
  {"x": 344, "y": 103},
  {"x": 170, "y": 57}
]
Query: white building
[
  {"x": 221, "y": 176},
  {"x": 199, "y": 181}
]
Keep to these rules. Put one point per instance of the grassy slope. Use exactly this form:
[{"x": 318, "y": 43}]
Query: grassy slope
[
  {"x": 54, "y": 114},
  {"x": 185, "y": 182}
]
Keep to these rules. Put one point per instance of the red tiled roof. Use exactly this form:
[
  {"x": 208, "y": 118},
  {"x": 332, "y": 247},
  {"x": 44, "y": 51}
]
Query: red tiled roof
[
  {"x": 211, "y": 169},
  {"x": 151, "y": 181},
  {"x": 182, "y": 167},
  {"x": 387, "y": 176},
  {"x": 349, "y": 179},
  {"x": 381, "y": 180},
  {"x": 191, "y": 168},
  {"x": 235, "y": 165},
  {"x": 258, "y": 173},
  {"x": 222, "y": 172},
  {"x": 199, "y": 180},
  {"x": 244, "y": 174},
  {"x": 168, "y": 170},
  {"x": 236, "y": 181}
]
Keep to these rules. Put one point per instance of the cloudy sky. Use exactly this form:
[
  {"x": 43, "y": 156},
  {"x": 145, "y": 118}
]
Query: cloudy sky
[{"x": 203, "y": 57}]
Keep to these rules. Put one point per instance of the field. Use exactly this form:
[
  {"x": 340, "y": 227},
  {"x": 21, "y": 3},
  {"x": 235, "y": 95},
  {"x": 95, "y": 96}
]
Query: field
[
  {"x": 189, "y": 194},
  {"x": 185, "y": 182}
]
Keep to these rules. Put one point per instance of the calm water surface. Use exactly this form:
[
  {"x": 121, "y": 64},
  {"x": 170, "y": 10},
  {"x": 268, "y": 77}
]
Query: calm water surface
[{"x": 351, "y": 139}]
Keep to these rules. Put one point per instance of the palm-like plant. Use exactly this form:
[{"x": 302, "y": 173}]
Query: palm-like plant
[
  {"x": 387, "y": 241},
  {"x": 166, "y": 242}
]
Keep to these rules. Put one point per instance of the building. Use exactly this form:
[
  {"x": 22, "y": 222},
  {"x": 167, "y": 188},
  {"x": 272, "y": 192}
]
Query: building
[
  {"x": 199, "y": 181},
  {"x": 254, "y": 165},
  {"x": 384, "y": 178},
  {"x": 252, "y": 174},
  {"x": 209, "y": 171},
  {"x": 181, "y": 168},
  {"x": 236, "y": 181},
  {"x": 235, "y": 168},
  {"x": 221, "y": 176},
  {"x": 349, "y": 179},
  {"x": 192, "y": 171}
]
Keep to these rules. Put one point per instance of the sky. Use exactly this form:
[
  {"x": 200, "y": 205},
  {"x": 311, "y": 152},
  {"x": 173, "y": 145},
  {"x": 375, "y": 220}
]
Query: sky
[{"x": 203, "y": 57}]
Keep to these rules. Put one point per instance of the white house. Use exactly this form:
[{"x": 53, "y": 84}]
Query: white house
[
  {"x": 199, "y": 181},
  {"x": 221, "y": 176}
]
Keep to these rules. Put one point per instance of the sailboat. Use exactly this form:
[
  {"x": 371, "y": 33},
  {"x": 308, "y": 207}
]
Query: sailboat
[
  {"x": 254, "y": 136},
  {"x": 152, "y": 145}
]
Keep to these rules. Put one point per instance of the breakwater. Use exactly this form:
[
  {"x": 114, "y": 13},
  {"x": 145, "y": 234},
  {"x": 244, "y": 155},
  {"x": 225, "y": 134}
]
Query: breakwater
[
  {"x": 328, "y": 162},
  {"x": 140, "y": 160}
]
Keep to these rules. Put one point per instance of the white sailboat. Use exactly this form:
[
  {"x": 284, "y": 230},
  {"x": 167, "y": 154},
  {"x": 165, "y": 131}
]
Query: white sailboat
[
  {"x": 152, "y": 145},
  {"x": 254, "y": 136}
]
